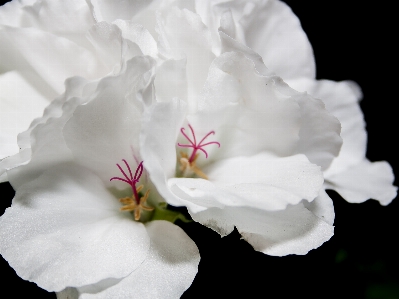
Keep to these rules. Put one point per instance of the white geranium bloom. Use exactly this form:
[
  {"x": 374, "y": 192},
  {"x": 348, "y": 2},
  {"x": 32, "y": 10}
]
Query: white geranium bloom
[
  {"x": 265, "y": 179},
  {"x": 270, "y": 29},
  {"x": 250, "y": 155},
  {"x": 66, "y": 229}
]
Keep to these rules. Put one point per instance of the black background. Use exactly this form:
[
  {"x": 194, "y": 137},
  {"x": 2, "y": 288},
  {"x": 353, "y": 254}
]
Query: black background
[{"x": 352, "y": 40}]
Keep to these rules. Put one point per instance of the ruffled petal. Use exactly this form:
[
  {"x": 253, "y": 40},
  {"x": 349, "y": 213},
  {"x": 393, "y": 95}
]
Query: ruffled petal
[
  {"x": 51, "y": 57},
  {"x": 110, "y": 10},
  {"x": 263, "y": 181},
  {"x": 65, "y": 229},
  {"x": 342, "y": 100},
  {"x": 295, "y": 230},
  {"x": 106, "y": 130},
  {"x": 320, "y": 138},
  {"x": 364, "y": 181},
  {"x": 322, "y": 206},
  {"x": 11, "y": 13},
  {"x": 171, "y": 81},
  {"x": 246, "y": 108},
  {"x": 43, "y": 145},
  {"x": 20, "y": 103},
  {"x": 250, "y": 113},
  {"x": 263, "y": 199},
  {"x": 269, "y": 28},
  {"x": 272, "y": 30},
  {"x": 140, "y": 35},
  {"x": 192, "y": 43},
  {"x": 70, "y": 19},
  {"x": 167, "y": 272}
]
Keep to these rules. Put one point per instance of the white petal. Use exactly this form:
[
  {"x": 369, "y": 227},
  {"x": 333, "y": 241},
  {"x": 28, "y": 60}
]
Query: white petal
[
  {"x": 65, "y": 229},
  {"x": 364, "y": 181},
  {"x": 171, "y": 81},
  {"x": 51, "y": 57},
  {"x": 106, "y": 130},
  {"x": 265, "y": 182},
  {"x": 106, "y": 40},
  {"x": 227, "y": 24},
  {"x": 166, "y": 273},
  {"x": 11, "y": 12},
  {"x": 322, "y": 206},
  {"x": 292, "y": 231},
  {"x": 274, "y": 32},
  {"x": 192, "y": 43},
  {"x": 139, "y": 35},
  {"x": 60, "y": 17},
  {"x": 43, "y": 145},
  {"x": 251, "y": 185},
  {"x": 271, "y": 29},
  {"x": 319, "y": 136},
  {"x": 249, "y": 112},
  {"x": 342, "y": 100},
  {"x": 20, "y": 103},
  {"x": 160, "y": 128},
  {"x": 231, "y": 45},
  {"x": 110, "y": 10}
]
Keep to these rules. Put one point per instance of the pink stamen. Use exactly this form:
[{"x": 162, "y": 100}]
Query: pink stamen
[
  {"x": 132, "y": 180},
  {"x": 194, "y": 144}
]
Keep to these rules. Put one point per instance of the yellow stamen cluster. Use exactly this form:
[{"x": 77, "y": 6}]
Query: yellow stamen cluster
[
  {"x": 187, "y": 168},
  {"x": 131, "y": 205}
]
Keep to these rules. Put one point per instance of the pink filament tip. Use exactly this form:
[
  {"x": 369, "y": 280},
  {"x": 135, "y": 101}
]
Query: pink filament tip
[
  {"x": 194, "y": 144},
  {"x": 131, "y": 180}
]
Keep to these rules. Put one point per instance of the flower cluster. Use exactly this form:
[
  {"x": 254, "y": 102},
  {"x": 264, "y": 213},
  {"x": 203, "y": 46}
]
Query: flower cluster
[{"x": 210, "y": 105}]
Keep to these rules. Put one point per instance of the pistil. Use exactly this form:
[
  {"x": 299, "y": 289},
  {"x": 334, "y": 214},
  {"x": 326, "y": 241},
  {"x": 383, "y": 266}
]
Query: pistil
[
  {"x": 188, "y": 164},
  {"x": 135, "y": 203}
]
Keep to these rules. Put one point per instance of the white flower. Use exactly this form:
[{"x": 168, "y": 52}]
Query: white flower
[
  {"x": 270, "y": 144},
  {"x": 66, "y": 229},
  {"x": 261, "y": 179},
  {"x": 273, "y": 34}
]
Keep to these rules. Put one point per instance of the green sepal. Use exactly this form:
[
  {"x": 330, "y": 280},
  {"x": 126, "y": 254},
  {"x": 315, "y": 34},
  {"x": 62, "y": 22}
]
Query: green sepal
[{"x": 161, "y": 212}]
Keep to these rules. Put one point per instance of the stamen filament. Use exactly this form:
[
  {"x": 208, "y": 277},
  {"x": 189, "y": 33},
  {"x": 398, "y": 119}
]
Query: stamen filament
[
  {"x": 134, "y": 203},
  {"x": 194, "y": 144}
]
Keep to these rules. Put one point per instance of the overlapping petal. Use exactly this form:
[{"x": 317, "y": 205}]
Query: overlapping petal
[
  {"x": 351, "y": 174},
  {"x": 106, "y": 130},
  {"x": 15, "y": 114},
  {"x": 363, "y": 181},
  {"x": 269, "y": 28},
  {"x": 167, "y": 272},
  {"x": 67, "y": 222}
]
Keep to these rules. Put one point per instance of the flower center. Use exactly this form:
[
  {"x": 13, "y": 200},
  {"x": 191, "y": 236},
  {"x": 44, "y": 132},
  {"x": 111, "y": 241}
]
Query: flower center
[
  {"x": 187, "y": 164},
  {"x": 135, "y": 203}
]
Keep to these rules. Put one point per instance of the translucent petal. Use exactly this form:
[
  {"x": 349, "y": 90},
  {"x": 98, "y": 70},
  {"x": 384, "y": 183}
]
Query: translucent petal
[
  {"x": 342, "y": 100},
  {"x": 167, "y": 272},
  {"x": 20, "y": 103},
  {"x": 65, "y": 229},
  {"x": 364, "y": 181},
  {"x": 293, "y": 231},
  {"x": 106, "y": 130}
]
